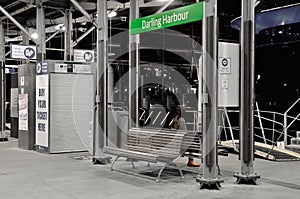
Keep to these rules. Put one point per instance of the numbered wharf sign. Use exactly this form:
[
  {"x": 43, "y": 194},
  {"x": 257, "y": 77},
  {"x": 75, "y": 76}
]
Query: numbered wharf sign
[
  {"x": 224, "y": 65},
  {"x": 23, "y": 51}
]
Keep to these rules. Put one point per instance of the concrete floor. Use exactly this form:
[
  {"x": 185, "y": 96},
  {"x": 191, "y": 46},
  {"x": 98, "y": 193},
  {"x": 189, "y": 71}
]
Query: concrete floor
[{"x": 30, "y": 174}]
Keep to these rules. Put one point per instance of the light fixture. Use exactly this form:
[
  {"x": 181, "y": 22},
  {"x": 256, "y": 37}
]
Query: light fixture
[
  {"x": 34, "y": 35},
  {"x": 60, "y": 27},
  {"x": 81, "y": 29},
  {"x": 257, "y": 2},
  {"x": 112, "y": 14}
]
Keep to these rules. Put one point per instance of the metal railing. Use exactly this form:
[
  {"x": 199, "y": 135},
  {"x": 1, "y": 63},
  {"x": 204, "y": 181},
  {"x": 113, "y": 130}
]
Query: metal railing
[
  {"x": 278, "y": 128},
  {"x": 285, "y": 122}
]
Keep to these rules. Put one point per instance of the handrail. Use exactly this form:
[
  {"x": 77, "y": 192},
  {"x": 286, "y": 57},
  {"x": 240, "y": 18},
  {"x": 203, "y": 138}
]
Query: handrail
[
  {"x": 283, "y": 133},
  {"x": 264, "y": 138},
  {"x": 230, "y": 129},
  {"x": 260, "y": 123},
  {"x": 270, "y": 120},
  {"x": 296, "y": 118},
  {"x": 285, "y": 121},
  {"x": 224, "y": 127},
  {"x": 292, "y": 106}
]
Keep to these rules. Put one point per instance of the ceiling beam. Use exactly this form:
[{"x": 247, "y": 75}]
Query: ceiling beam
[
  {"x": 84, "y": 12},
  {"x": 16, "y": 12},
  {"x": 16, "y": 22},
  {"x": 27, "y": 1},
  {"x": 153, "y": 4}
]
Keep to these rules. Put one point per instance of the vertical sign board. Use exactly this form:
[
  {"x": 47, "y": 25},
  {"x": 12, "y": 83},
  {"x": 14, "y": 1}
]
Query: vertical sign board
[
  {"x": 84, "y": 56},
  {"x": 23, "y": 112},
  {"x": 175, "y": 17},
  {"x": 228, "y": 78},
  {"x": 42, "y": 106}
]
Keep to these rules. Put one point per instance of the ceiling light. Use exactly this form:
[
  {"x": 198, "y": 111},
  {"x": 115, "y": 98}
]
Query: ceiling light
[
  {"x": 112, "y": 14},
  {"x": 257, "y": 2},
  {"x": 81, "y": 29},
  {"x": 60, "y": 27},
  {"x": 34, "y": 35}
]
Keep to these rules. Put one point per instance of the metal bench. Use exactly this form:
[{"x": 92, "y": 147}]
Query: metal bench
[{"x": 152, "y": 146}]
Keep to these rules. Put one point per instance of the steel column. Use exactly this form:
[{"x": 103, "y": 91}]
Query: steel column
[
  {"x": 25, "y": 41},
  {"x": 68, "y": 35},
  {"x": 41, "y": 44},
  {"x": 100, "y": 134},
  {"x": 247, "y": 175},
  {"x": 134, "y": 58},
  {"x": 210, "y": 178},
  {"x": 3, "y": 83}
]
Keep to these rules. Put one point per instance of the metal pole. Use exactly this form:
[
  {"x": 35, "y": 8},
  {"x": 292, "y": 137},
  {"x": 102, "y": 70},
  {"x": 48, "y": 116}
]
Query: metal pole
[
  {"x": 247, "y": 101},
  {"x": 83, "y": 36},
  {"x": 100, "y": 134},
  {"x": 25, "y": 41},
  {"x": 68, "y": 35},
  {"x": 40, "y": 27},
  {"x": 210, "y": 178},
  {"x": 52, "y": 36},
  {"x": 165, "y": 6},
  {"x": 3, "y": 83},
  {"x": 16, "y": 22},
  {"x": 285, "y": 129},
  {"x": 134, "y": 41}
]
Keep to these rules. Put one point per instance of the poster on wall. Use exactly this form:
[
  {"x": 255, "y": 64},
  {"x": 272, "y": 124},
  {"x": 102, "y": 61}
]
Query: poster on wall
[
  {"x": 22, "y": 51},
  {"x": 85, "y": 56},
  {"x": 23, "y": 112},
  {"x": 42, "y": 103},
  {"x": 14, "y": 102}
]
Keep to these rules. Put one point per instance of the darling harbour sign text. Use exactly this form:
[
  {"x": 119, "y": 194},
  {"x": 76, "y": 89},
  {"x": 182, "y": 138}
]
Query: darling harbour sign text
[
  {"x": 164, "y": 20},
  {"x": 186, "y": 14}
]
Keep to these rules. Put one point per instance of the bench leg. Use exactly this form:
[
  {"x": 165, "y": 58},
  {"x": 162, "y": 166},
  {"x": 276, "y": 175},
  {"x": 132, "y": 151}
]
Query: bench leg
[
  {"x": 160, "y": 171},
  {"x": 112, "y": 164},
  {"x": 166, "y": 165},
  {"x": 132, "y": 164},
  {"x": 180, "y": 171}
]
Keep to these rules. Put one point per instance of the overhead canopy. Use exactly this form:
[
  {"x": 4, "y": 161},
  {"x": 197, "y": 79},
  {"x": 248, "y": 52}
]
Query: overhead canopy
[{"x": 273, "y": 17}]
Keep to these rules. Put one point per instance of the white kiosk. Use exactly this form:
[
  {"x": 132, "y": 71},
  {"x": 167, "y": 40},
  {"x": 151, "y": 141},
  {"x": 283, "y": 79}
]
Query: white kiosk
[{"x": 65, "y": 100}]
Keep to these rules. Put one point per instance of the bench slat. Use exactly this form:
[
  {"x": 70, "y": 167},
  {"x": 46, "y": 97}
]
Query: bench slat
[{"x": 131, "y": 154}]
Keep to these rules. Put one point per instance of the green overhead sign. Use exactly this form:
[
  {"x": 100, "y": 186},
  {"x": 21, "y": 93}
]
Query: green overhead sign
[{"x": 183, "y": 15}]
